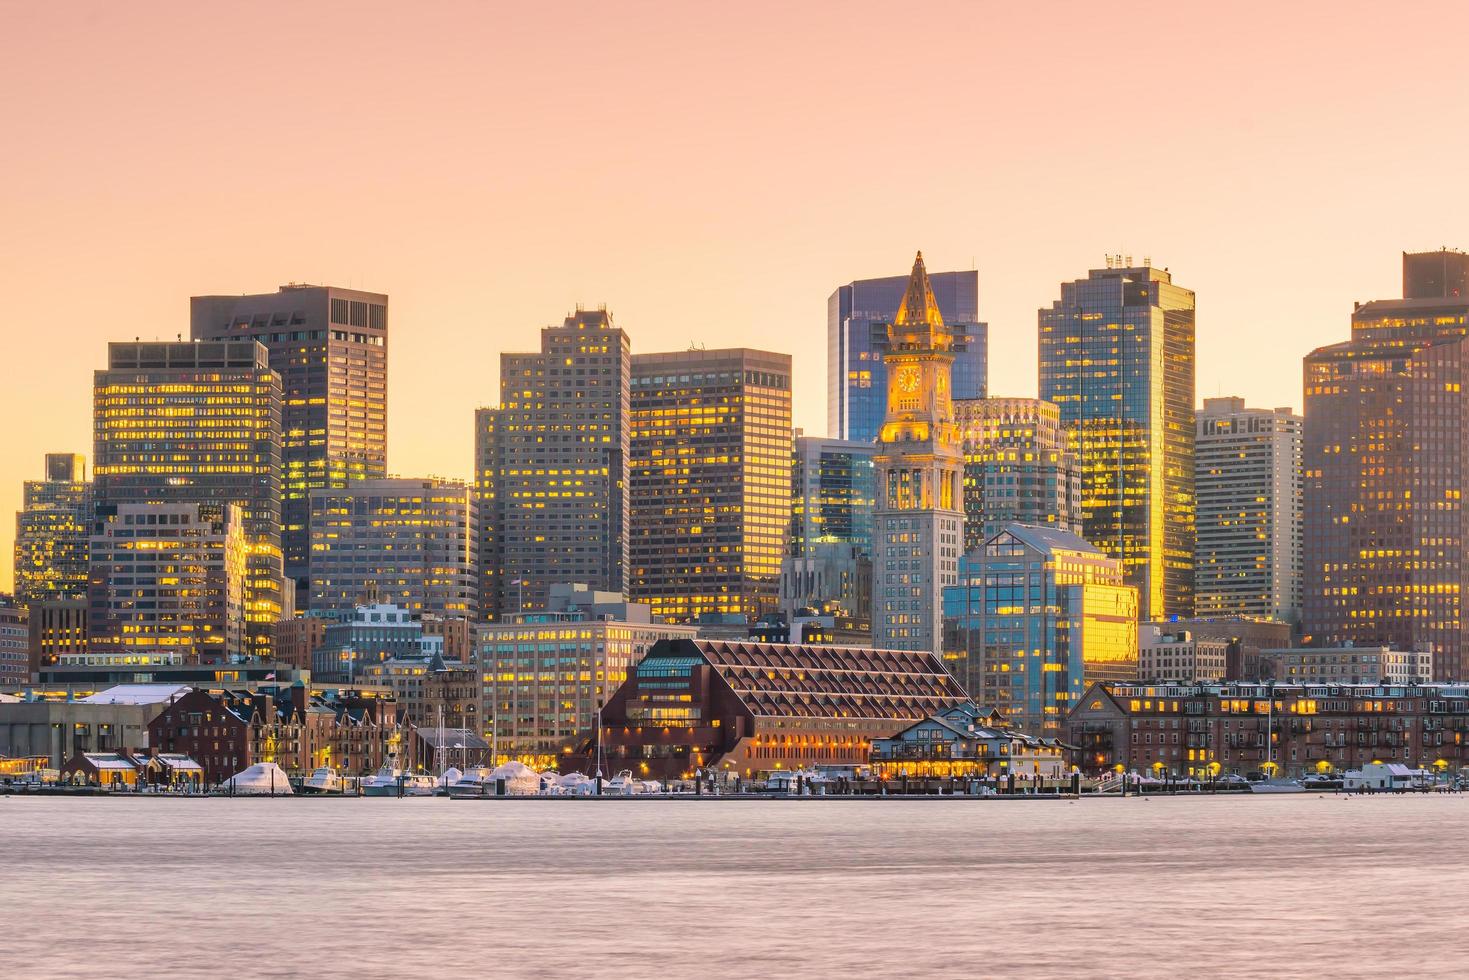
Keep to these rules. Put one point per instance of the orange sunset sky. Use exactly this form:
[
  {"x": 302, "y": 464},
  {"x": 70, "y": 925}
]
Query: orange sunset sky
[{"x": 709, "y": 171}]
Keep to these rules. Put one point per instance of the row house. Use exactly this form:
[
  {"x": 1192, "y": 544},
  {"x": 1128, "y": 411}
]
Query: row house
[{"x": 1286, "y": 729}]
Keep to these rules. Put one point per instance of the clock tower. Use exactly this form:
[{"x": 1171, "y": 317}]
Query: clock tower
[{"x": 919, "y": 521}]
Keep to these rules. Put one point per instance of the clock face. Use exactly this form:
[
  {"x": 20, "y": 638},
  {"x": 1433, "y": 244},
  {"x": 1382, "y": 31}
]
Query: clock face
[{"x": 908, "y": 380}]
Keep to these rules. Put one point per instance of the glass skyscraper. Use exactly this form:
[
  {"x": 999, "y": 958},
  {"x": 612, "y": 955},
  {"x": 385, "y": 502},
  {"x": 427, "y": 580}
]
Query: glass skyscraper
[
  {"x": 1017, "y": 467},
  {"x": 1384, "y": 463},
  {"x": 1117, "y": 357},
  {"x": 330, "y": 347},
  {"x": 51, "y": 533},
  {"x": 833, "y": 489},
  {"x": 857, "y": 316},
  {"x": 198, "y": 423}
]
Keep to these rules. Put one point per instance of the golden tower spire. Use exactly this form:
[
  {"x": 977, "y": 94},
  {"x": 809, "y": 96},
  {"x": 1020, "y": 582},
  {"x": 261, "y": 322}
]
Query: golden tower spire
[{"x": 919, "y": 322}]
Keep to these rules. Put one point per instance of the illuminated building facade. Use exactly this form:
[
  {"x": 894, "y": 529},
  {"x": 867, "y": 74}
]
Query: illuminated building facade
[
  {"x": 330, "y": 348},
  {"x": 367, "y": 635},
  {"x": 198, "y": 423},
  {"x": 405, "y": 541},
  {"x": 857, "y": 316},
  {"x": 171, "y": 578},
  {"x": 744, "y": 707},
  {"x": 710, "y": 481},
  {"x": 1384, "y": 461},
  {"x": 1039, "y": 614},
  {"x": 1117, "y": 357},
  {"x": 918, "y": 525},
  {"x": 1017, "y": 467},
  {"x": 1180, "y": 656},
  {"x": 1247, "y": 477},
  {"x": 58, "y": 629},
  {"x": 51, "y": 533},
  {"x": 551, "y": 467},
  {"x": 833, "y": 491},
  {"x": 15, "y": 660},
  {"x": 1295, "y": 729},
  {"x": 545, "y": 678}
]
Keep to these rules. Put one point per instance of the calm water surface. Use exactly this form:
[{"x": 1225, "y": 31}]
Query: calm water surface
[{"x": 1246, "y": 887}]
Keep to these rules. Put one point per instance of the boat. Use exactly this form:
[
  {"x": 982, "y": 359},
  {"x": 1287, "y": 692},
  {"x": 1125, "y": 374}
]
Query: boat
[
  {"x": 472, "y": 782},
  {"x": 261, "y": 779},
  {"x": 1277, "y": 786},
  {"x": 392, "y": 781},
  {"x": 621, "y": 784},
  {"x": 324, "y": 780}
]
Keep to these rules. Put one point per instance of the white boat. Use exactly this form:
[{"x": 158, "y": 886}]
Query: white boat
[
  {"x": 323, "y": 780},
  {"x": 1277, "y": 786},
  {"x": 621, "y": 784},
  {"x": 392, "y": 781},
  {"x": 473, "y": 782},
  {"x": 518, "y": 778},
  {"x": 261, "y": 779}
]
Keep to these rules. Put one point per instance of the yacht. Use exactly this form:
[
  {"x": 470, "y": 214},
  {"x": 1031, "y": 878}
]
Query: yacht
[
  {"x": 323, "y": 780},
  {"x": 392, "y": 781}
]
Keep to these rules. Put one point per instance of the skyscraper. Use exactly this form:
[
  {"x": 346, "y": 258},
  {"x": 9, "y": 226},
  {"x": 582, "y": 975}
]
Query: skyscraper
[
  {"x": 1384, "y": 459},
  {"x": 198, "y": 423},
  {"x": 918, "y": 527},
  {"x": 833, "y": 490},
  {"x": 330, "y": 347},
  {"x": 710, "y": 481},
  {"x": 857, "y": 316},
  {"x": 409, "y": 542},
  {"x": 1117, "y": 357},
  {"x": 1017, "y": 467},
  {"x": 551, "y": 467},
  {"x": 51, "y": 533},
  {"x": 1247, "y": 475},
  {"x": 169, "y": 578}
]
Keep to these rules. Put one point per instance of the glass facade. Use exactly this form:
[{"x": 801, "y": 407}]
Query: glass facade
[
  {"x": 1017, "y": 467},
  {"x": 1117, "y": 358},
  {"x": 51, "y": 533},
  {"x": 856, "y": 340},
  {"x": 833, "y": 486},
  {"x": 710, "y": 481},
  {"x": 199, "y": 423},
  {"x": 1039, "y": 614},
  {"x": 330, "y": 348},
  {"x": 1384, "y": 463}
]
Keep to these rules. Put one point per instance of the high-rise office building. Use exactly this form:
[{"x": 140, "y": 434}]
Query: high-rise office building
[
  {"x": 1117, "y": 357},
  {"x": 169, "y": 578},
  {"x": 829, "y": 554},
  {"x": 918, "y": 526},
  {"x": 1385, "y": 470},
  {"x": 1247, "y": 477},
  {"x": 330, "y": 347},
  {"x": 1037, "y": 616},
  {"x": 51, "y": 533},
  {"x": 198, "y": 423},
  {"x": 409, "y": 542},
  {"x": 857, "y": 316},
  {"x": 551, "y": 467},
  {"x": 710, "y": 481},
  {"x": 1017, "y": 467}
]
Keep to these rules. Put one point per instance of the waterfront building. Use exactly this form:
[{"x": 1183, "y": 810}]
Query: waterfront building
[
  {"x": 710, "y": 481},
  {"x": 1244, "y": 638},
  {"x": 744, "y": 707},
  {"x": 169, "y": 577},
  {"x": 330, "y": 347},
  {"x": 857, "y": 318},
  {"x": 551, "y": 470},
  {"x": 1179, "y": 656},
  {"x": 300, "y": 729},
  {"x": 1117, "y": 357},
  {"x": 1017, "y": 467},
  {"x": 1385, "y": 471},
  {"x": 109, "y": 720},
  {"x": 57, "y": 628},
  {"x": 369, "y": 634},
  {"x": 79, "y": 675},
  {"x": 1038, "y": 614},
  {"x": 1348, "y": 665},
  {"x": 545, "y": 675},
  {"x": 1291, "y": 729},
  {"x": 918, "y": 526},
  {"x": 198, "y": 423},
  {"x": 967, "y": 742},
  {"x": 406, "y": 541},
  {"x": 1247, "y": 477},
  {"x": 15, "y": 658},
  {"x": 51, "y": 532}
]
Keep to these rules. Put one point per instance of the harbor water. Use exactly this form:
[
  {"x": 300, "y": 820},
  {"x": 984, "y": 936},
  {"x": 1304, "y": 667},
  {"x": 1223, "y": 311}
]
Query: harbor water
[{"x": 1278, "y": 886}]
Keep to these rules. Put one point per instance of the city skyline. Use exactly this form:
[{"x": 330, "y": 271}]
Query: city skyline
[{"x": 471, "y": 241}]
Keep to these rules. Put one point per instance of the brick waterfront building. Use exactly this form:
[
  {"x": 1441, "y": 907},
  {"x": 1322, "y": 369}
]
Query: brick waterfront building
[{"x": 1239, "y": 727}]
